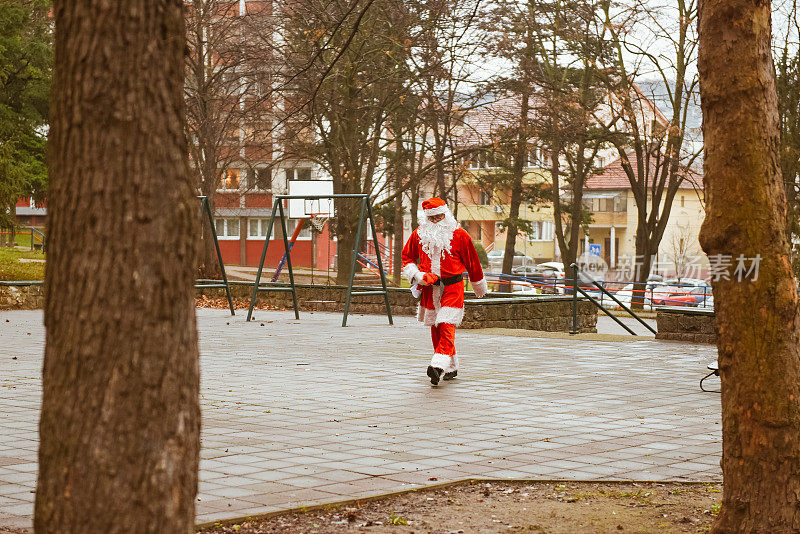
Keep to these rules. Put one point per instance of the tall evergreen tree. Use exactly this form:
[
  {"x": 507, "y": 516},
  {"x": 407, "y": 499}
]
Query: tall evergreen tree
[{"x": 26, "y": 61}]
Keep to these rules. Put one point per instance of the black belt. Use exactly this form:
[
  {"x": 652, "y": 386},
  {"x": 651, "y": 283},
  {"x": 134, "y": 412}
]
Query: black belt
[{"x": 450, "y": 280}]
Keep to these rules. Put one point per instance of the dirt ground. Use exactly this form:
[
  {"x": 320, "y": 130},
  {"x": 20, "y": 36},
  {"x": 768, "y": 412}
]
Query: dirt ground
[{"x": 489, "y": 507}]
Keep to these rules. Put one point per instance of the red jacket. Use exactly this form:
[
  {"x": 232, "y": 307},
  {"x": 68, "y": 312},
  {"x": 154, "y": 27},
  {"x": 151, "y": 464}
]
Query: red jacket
[{"x": 439, "y": 303}]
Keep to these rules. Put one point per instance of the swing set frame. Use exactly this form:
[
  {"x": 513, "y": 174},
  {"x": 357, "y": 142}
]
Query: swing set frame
[
  {"x": 206, "y": 283},
  {"x": 277, "y": 209}
]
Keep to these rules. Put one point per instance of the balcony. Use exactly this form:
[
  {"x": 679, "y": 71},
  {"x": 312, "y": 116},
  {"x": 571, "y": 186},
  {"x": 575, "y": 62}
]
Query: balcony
[{"x": 609, "y": 218}]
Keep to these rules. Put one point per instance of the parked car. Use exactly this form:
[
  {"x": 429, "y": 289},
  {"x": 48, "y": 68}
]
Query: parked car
[
  {"x": 556, "y": 267},
  {"x": 625, "y": 294},
  {"x": 496, "y": 259},
  {"x": 671, "y": 296},
  {"x": 551, "y": 269},
  {"x": 686, "y": 282},
  {"x": 689, "y": 292},
  {"x": 703, "y": 296},
  {"x": 545, "y": 277}
]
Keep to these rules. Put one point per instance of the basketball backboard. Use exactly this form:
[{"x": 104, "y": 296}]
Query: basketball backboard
[{"x": 305, "y": 208}]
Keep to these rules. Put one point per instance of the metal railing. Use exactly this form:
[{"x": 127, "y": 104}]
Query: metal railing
[
  {"x": 653, "y": 293},
  {"x": 38, "y": 239},
  {"x": 38, "y": 234},
  {"x": 576, "y": 288}
]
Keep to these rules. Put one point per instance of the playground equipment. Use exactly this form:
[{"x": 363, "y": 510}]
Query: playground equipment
[
  {"x": 206, "y": 283},
  {"x": 305, "y": 204},
  {"x": 314, "y": 211}
]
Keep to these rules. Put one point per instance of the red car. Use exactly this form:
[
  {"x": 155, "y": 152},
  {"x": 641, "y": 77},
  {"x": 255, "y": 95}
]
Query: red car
[{"x": 675, "y": 296}]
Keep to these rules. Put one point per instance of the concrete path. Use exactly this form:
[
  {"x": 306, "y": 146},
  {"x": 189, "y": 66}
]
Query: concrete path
[
  {"x": 607, "y": 325},
  {"x": 305, "y": 412}
]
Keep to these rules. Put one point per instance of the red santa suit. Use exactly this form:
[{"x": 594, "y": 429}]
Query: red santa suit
[{"x": 445, "y": 250}]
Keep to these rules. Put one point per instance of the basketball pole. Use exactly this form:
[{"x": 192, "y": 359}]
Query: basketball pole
[{"x": 295, "y": 234}]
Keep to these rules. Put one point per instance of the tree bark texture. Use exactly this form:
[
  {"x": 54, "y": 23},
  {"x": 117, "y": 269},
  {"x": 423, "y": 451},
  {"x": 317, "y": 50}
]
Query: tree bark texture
[
  {"x": 757, "y": 320},
  {"x": 518, "y": 173},
  {"x": 120, "y": 418}
]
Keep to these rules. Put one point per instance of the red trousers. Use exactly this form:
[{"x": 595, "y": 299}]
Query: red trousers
[{"x": 444, "y": 337}]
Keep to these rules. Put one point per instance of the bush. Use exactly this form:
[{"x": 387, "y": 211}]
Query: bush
[{"x": 482, "y": 256}]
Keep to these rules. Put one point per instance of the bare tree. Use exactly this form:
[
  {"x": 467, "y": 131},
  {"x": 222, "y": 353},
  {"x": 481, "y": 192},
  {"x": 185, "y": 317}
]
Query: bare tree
[
  {"x": 570, "y": 116},
  {"x": 680, "y": 250},
  {"x": 120, "y": 419},
  {"x": 786, "y": 50},
  {"x": 653, "y": 147},
  {"x": 345, "y": 60},
  {"x": 230, "y": 76}
]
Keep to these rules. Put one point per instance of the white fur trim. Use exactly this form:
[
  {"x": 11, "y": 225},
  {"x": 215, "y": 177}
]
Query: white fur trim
[
  {"x": 453, "y": 365},
  {"x": 416, "y": 291},
  {"x": 480, "y": 288},
  {"x": 450, "y": 315},
  {"x": 426, "y": 316},
  {"x": 442, "y": 361},
  {"x": 410, "y": 271},
  {"x": 436, "y": 211}
]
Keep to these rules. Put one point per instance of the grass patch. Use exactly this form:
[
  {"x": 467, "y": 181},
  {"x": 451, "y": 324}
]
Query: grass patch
[{"x": 12, "y": 269}]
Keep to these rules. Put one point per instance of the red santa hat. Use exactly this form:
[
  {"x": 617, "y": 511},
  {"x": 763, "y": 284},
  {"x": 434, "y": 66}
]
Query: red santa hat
[{"x": 434, "y": 206}]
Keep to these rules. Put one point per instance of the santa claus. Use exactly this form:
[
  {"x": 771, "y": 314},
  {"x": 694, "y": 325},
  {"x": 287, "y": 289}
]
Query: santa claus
[{"x": 435, "y": 259}]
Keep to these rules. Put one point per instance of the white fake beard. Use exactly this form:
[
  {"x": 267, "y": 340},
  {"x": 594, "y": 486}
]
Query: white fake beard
[{"x": 436, "y": 239}]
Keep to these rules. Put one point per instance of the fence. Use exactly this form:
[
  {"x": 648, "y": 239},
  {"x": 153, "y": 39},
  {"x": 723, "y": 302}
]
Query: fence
[
  {"x": 25, "y": 236},
  {"x": 654, "y": 293}
]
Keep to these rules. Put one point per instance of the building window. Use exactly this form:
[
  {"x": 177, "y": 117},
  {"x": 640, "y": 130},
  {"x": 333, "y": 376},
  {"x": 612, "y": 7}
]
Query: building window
[
  {"x": 485, "y": 199},
  {"x": 472, "y": 160},
  {"x": 541, "y": 231},
  {"x": 258, "y": 228},
  {"x": 298, "y": 174},
  {"x": 227, "y": 228},
  {"x": 229, "y": 180},
  {"x": 305, "y": 232},
  {"x": 260, "y": 178},
  {"x": 263, "y": 84},
  {"x": 682, "y": 201},
  {"x": 620, "y": 204}
]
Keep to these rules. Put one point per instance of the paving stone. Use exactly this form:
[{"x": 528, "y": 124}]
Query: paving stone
[{"x": 363, "y": 419}]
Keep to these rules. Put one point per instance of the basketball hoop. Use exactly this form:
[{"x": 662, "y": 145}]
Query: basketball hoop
[{"x": 317, "y": 222}]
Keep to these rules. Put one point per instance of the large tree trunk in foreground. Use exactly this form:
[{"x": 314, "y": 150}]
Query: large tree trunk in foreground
[
  {"x": 757, "y": 320},
  {"x": 120, "y": 417}
]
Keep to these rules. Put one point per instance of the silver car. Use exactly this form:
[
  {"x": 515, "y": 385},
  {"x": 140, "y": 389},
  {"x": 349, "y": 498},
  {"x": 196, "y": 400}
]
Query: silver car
[{"x": 496, "y": 259}]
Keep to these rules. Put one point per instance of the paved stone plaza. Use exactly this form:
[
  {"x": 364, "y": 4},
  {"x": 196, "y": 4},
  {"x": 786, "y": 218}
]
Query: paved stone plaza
[{"x": 305, "y": 412}]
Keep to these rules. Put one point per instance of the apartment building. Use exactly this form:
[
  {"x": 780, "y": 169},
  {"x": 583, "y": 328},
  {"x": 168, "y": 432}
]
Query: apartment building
[{"x": 611, "y": 234}]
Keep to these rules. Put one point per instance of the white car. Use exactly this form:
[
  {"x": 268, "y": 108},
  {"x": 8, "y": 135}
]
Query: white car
[{"x": 556, "y": 267}]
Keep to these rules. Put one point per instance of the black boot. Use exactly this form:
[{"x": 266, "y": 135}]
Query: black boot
[
  {"x": 451, "y": 375},
  {"x": 435, "y": 374}
]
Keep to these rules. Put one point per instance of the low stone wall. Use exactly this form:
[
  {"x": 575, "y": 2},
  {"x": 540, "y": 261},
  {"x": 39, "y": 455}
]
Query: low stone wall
[
  {"x": 551, "y": 313},
  {"x": 695, "y": 325},
  {"x": 21, "y": 297}
]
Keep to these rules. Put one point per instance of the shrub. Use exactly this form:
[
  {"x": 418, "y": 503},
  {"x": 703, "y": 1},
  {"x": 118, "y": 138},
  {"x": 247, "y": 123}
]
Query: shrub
[{"x": 482, "y": 256}]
